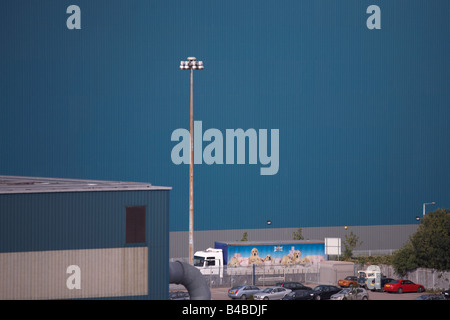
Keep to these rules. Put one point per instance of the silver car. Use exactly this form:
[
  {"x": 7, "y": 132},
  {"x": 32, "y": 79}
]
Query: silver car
[
  {"x": 243, "y": 292},
  {"x": 351, "y": 294},
  {"x": 271, "y": 293}
]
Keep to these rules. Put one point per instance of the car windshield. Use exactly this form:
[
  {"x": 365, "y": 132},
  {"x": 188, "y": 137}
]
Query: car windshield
[
  {"x": 291, "y": 294},
  {"x": 394, "y": 281},
  {"x": 267, "y": 290},
  {"x": 318, "y": 288},
  {"x": 348, "y": 278},
  {"x": 198, "y": 261},
  {"x": 344, "y": 291}
]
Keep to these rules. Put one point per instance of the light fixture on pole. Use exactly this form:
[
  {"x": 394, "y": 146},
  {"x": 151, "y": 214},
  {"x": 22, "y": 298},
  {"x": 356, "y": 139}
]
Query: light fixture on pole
[
  {"x": 423, "y": 211},
  {"x": 192, "y": 64}
]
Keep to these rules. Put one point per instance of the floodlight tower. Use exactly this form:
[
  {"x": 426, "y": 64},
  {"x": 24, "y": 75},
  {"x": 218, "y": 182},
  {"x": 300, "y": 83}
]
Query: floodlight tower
[{"x": 192, "y": 64}]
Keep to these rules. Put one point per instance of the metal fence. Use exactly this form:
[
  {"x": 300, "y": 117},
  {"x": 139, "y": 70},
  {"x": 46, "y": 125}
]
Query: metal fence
[
  {"x": 379, "y": 252},
  {"x": 261, "y": 275},
  {"x": 431, "y": 279}
]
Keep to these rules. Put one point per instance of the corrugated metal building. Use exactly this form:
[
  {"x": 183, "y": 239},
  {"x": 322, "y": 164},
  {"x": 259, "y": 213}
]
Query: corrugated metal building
[{"x": 63, "y": 239}]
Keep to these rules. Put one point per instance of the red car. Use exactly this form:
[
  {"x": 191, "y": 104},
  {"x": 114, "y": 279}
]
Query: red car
[{"x": 402, "y": 285}]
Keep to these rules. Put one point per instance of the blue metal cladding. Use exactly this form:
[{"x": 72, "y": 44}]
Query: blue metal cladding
[
  {"x": 87, "y": 220},
  {"x": 363, "y": 114}
]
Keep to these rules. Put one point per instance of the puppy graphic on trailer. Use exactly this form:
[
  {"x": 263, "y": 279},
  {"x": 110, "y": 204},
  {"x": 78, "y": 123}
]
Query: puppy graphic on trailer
[{"x": 292, "y": 258}]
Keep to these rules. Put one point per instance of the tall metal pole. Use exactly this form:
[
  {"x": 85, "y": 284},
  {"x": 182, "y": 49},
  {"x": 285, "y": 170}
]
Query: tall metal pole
[
  {"x": 192, "y": 64},
  {"x": 191, "y": 182}
]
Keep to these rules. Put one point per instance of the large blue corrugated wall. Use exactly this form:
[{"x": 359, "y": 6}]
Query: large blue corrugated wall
[
  {"x": 87, "y": 220},
  {"x": 363, "y": 114}
]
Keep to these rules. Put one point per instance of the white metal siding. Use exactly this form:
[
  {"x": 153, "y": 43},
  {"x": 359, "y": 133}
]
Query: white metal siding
[{"x": 104, "y": 273}]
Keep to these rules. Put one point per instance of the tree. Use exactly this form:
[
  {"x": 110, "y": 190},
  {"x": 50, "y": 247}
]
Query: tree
[
  {"x": 297, "y": 235},
  {"x": 350, "y": 243},
  {"x": 432, "y": 240},
  {"x": 428, "y": 247},
  {"x": 404, "y": 259}
]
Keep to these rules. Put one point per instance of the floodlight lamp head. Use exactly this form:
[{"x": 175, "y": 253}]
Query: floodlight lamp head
[{"x": 192, "y": 63}]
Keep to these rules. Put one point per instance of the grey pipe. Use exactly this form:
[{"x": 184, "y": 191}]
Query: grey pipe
[{"x": 191, "y": 278}]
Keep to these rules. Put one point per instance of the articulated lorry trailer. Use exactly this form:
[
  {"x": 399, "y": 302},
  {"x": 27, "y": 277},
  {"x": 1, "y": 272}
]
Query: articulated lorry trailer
[{"x": 259, "y": 253}]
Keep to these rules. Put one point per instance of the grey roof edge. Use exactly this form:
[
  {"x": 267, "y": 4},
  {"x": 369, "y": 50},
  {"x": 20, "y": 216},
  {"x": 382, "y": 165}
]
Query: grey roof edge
[
  {"x": 268, "y": 242},
  {"x": 22, "y": 184}
]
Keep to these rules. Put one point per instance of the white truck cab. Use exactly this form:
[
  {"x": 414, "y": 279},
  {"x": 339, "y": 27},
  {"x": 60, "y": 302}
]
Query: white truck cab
[{"x": 209, "y": 262}]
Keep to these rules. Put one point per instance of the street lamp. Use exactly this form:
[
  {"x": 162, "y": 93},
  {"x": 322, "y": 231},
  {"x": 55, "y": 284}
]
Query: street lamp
[
  {"x": 192, "y": 64},
  {"x": 423, "y": 211}
]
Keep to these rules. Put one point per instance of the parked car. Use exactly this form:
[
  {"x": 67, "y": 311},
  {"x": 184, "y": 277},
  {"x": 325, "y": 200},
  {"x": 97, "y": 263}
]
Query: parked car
[
  {"x": 298, "y": 295},
  {"x": 324, "y": 292},
  {"x": 351, "y": 294},
  {"x": 293, "y": 286},
  {"x": 271, "y": 293},
  {"x": 179, "y": 295},
  {"x": 243, "y": 292},
  {"x": 350, "y": 281},
  {"x": 402, "y": 285},
  {"x": 431, "y": 297}
]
